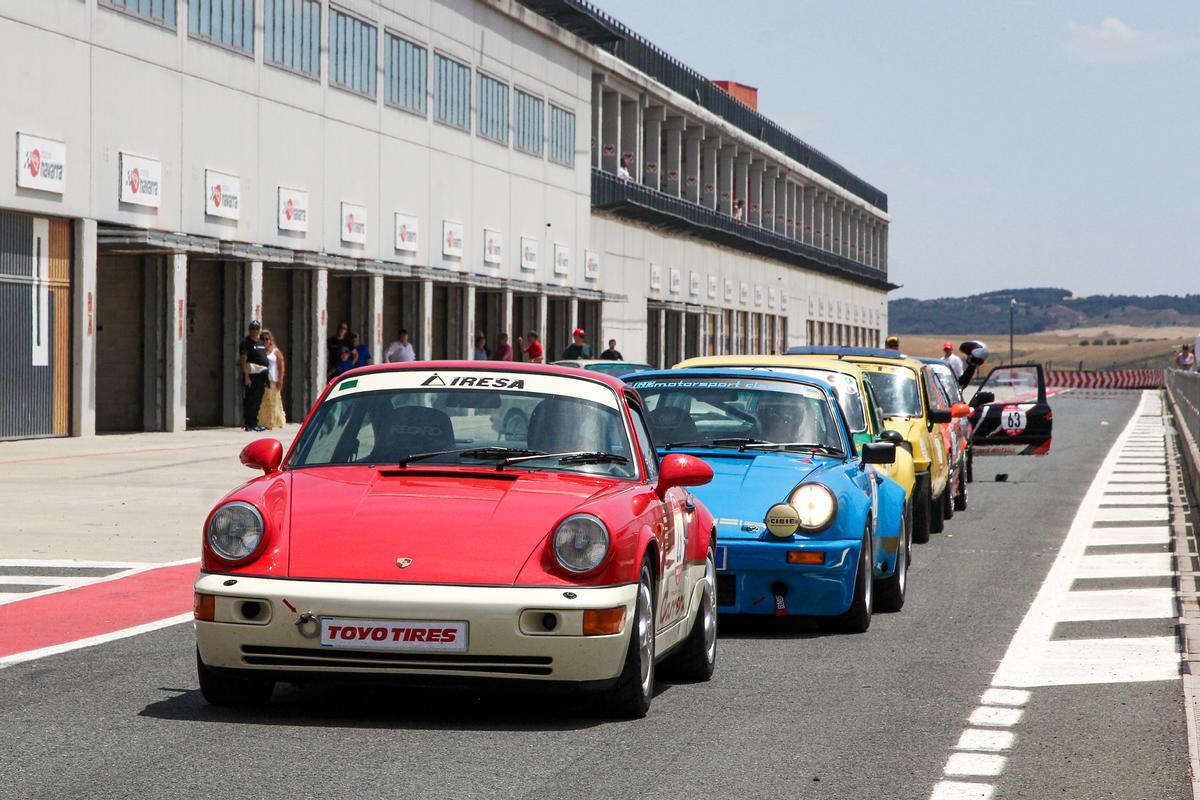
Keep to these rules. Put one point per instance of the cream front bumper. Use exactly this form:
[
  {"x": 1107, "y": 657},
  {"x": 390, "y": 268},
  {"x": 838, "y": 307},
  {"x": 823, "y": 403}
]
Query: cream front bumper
[{"x": 507, "y": 635}]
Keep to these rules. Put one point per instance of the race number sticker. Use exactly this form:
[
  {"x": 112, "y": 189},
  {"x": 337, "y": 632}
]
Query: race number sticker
[{"x": 1012, "y": 420}]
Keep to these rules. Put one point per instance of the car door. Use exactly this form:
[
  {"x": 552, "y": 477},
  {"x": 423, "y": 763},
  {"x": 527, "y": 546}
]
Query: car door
[
  {"x": 936, "y": 438},
  {"x": 1010, "y": 412}
]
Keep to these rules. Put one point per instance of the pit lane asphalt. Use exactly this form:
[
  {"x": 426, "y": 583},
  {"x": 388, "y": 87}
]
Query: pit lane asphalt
[{"x": 792, "y": 713}]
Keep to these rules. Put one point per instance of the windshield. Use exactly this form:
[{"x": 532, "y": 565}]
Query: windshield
[
  {"x": 738, "y": 412},
  {"x": 896, "y": 391},
  {"x": 386, "y": 418},
  {"x": 617, "y": 368}
]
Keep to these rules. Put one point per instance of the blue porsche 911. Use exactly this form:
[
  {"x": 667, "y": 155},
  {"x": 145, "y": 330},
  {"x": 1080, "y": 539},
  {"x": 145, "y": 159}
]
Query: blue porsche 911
[{"x": 805, "y": 526}]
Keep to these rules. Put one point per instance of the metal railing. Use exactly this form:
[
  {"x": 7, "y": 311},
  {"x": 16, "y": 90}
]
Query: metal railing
[
  {"x": 629, "y": 199},
  {"x": 1183, "y": 388},
  {"x": 651, "y": 60}
]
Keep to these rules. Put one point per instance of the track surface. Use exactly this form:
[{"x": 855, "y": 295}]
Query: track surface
[{"x": 790, "y": 714}]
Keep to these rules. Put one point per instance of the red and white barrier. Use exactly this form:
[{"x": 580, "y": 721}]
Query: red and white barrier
[{"x": 1107, "y": 379}]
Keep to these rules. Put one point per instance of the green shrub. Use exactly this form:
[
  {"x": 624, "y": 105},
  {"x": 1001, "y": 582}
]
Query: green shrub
[
  {"x": 1097, "y": 342},
  {"x": 1084, "y": 343},
  {"x": 1124, "y": 341},
  {"x": 1111, "y": 342}
]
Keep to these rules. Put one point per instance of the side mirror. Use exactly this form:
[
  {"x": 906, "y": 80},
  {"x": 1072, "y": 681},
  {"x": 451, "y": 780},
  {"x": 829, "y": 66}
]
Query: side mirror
[
  {"x": 982, "y": 399},
  {"x": 935, "y": 415},
  {"x": 264, "y": 454},
  {"x": 895, "y": 437},
  {"x": 879, "y": 453},
  {"x": 960, "y": 410},
  {"x": 680, "y": 469}
]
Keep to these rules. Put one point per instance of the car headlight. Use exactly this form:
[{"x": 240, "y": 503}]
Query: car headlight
[
  {"x": 580, "y": 543},
  {"x": 815, "y": 506},
  {"x": 235, "y": 530}
]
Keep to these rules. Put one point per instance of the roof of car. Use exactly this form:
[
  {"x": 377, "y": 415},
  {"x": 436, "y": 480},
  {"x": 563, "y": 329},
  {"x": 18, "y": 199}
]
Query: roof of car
[
  {"x": 782, "y": 362},
  {"x": 492, "y": 366},
  {"x": 834, "y": 350},
  {"x": 567, "y": 362},
  {"x": 820, "y": 383}
]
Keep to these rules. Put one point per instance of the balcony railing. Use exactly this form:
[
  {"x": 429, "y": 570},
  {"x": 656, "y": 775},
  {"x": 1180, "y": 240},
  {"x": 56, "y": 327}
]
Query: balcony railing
[
  {"x": 592, "y": 24},
  {"x": 629, "y": 199}
]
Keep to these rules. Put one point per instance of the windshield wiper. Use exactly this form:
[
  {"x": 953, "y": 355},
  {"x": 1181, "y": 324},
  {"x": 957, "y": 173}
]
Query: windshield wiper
[
  {"x": 574, "y": 457},
  {"x": 823, "y": 448},
  {"x": 473, "y": 452},
  {"x": 741, "y": 443}
]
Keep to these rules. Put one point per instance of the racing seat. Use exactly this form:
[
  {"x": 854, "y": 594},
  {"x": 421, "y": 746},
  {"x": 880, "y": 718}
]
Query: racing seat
[
  {"x": 413, "y": 429},
  {"x": 563, "y": 425},
  {"x": 787, "y": 421},
  {"x": 672, "y": 424}
]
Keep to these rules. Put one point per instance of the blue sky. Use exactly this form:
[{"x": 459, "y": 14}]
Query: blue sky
[{"x": 1020, "y": 143}]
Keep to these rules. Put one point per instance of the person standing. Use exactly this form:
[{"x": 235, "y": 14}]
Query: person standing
[
  {"x": 892, "y": 343},
  {"x": 481, "y": 349},
  {"x": 270, "y": 412},
  {"x": 1185, "y": 359},
  {"x": 533, "y": 353},
  {"x": 578, "y": 348},
  {"x": 335, "y": 343},
  {"x": 951, "y": 360},
  {"x": 399, "y": 350},
  {"x": 612, "y": 353},
  {"x": 503, "y": 350},
  {"x": 252, "y": 357},
  {"x": 361, "y": 353}
]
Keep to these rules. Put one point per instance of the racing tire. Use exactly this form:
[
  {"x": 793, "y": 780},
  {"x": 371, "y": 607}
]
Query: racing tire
[
  {"x": 960, "y": 497},
  {"x": 892, "y": 590},
  {"x": 949, "y": 494},
  {"x": 697, "y": 656},
  {"x": 937, "y": 511},
  {"x": 908, "y": 525},
  {"x": 857, "y": 618},
  {"x": 970, "y": 465},
  {"x": 221, "y": 689},
  {"x": 630, "y": 696},
  {"x": 920, "y": 513}
]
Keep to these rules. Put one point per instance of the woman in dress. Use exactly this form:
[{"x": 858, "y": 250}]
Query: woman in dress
[{"x": 270, "y": 413}]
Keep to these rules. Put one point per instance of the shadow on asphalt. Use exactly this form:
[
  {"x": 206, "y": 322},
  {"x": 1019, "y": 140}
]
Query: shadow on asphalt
[{"x": 396, "y": 707}]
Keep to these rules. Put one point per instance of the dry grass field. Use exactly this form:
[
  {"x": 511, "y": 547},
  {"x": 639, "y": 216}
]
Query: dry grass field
[{"x": 1062, "y": 349}]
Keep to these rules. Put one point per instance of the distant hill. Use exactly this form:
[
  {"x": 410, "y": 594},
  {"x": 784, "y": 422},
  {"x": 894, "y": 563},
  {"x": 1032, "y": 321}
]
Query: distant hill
[{"x": 1039, "y": 310}]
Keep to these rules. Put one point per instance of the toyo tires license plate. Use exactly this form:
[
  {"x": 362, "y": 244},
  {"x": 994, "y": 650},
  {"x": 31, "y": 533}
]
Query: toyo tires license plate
[{"x": 422, "y": 636}]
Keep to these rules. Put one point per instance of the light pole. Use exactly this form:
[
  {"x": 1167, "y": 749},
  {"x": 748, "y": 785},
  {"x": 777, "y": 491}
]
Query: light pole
[{"x": 1011, "y": 307}]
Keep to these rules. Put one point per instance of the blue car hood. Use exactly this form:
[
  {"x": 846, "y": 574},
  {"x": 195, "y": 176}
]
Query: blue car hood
[{"x": 745, "y": 486}]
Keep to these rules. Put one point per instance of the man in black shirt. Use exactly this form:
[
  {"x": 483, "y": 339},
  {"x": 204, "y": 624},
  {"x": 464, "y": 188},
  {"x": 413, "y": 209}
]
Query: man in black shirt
[
  {"x": 612, "y": 353},
  {"x": 334, "y": 345},
  {"x": 252, "y": 356},
  {"x": 578, "y": 348}
]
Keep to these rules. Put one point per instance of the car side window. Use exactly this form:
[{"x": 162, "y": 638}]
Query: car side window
[
  {"x": 935, "y": 392},
  {"x": 872, "y": 409},
  {"x": 645, "y": 444}
]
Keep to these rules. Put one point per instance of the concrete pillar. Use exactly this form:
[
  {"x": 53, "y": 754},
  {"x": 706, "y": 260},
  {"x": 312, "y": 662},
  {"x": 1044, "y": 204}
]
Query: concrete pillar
[
  {"x": 597, "y": 120},
  {"x": 660, "y": 358},
  {"x": 252, "y": 286},
  {"x": 543, "y": 312},
  {"x": 83, "y": 331},
  {"x": 175, "y": 396},
  {"x": 725, "y": 172},
  {"x": 704, "y": 333},
  {"x": 672, "y": 178},
  {"x": 469, "y": 319},
  {"x": 316, "y": 334},
  {"x": 693, "y": 172},
  {"x": 610, "y": 136},
  {"x": 376, "y": 318},
  {"x": 809, "y": 221},
  {"x": 883, "y": 247},
  {"x": 425, "y": 345},
  {"x": 781, "y": 205},
  {"x": 741, "y": 183},
  {"x": 631, "y": 136},
  {"x": 652, "y": 147},
  {"x": 682, "y": 337},
  {"x": 754, "y": 191},
  {"x": 573, "y": 316},
  {"x": 506, "y": 318},
  {"x": 794, "y": 222}
]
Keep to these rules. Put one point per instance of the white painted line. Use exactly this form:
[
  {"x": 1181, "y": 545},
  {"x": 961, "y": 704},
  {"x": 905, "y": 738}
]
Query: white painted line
[
  {"x": 51, "y": 580},
  {"x": 960, "y": 790},
  {"x": 1005, "y": 697},
  {"x": 1128, "y": 461},
  {"x": 985, "y": 739},
  {"x": 983, "y": 765},
  {"x": 5, "y": 596},
  {"x": 1132, "y": 514},
  {"x": 1104, "y": 604},
  {"x": 1137, "y": 488},
  {"x": 30, "y": 655},
  {"x": 1146, "y": 535},
  {"x": 1137, "y": 476},
  {"x": 1133, "y": 500},
  {"x": 996, "y": 717},
  {"x": 66, "y": 562},
  {"x": 143, "y": 567},
  {"x": 1123, "y": 565},
  {"x": 1074, "y": 662}
]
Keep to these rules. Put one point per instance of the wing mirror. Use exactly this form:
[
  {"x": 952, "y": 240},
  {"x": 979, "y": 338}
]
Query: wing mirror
[
  {"x": 936, "y": 415},
  {"x": 895, "y": 437},
  {"x": 264, "y": 454},
  {"x": 960, "y": 410},
  {"x": 982, "y": 399},
  {"x": 879, "y": 453},
  {"x": 680, "y": 469}
]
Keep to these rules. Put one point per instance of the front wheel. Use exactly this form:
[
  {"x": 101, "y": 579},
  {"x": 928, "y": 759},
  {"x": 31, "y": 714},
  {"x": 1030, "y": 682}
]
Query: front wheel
[
  {"x": 857, "y": 618},
  {"x": 960, "y": 497},
  {"x": 923, "y": 501},
  {"x": 630, "y": 696},
  {"x": 221, "y": 689},
  {"x": 697, "y": 657},
  {"x": 892, "y": 590}
]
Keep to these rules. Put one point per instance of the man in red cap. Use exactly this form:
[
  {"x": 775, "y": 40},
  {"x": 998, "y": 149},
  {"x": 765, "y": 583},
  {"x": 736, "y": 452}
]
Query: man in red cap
[
  {"x": 578, "y": 348},
  {"x": 952, "y": 361}
]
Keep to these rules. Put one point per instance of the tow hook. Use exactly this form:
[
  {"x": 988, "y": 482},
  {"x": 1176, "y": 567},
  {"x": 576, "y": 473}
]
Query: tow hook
[{"x": 303, "y": 620}]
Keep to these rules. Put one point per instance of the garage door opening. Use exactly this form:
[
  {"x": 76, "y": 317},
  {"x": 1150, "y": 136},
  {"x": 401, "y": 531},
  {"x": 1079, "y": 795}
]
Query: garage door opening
[{"x": 120, "y": 343}]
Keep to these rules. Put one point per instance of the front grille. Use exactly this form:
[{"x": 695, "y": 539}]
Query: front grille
[
  {"x": 368, "y": 660},
  {"x": 726, "y": 590}
]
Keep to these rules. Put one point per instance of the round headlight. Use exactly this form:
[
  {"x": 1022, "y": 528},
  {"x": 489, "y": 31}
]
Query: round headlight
[
  {"x": 235, "y": 530},
  {"x": 580, "y": 543},
  {"x": 815, "y": 505}
]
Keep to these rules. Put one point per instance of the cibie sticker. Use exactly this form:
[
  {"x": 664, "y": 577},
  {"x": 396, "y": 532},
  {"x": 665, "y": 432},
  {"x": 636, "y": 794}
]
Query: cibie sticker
[
  {"x": 1013, "y": 420},
  {"x": 384, "y": 634}
]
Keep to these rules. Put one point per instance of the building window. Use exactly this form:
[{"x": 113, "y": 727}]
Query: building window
[
  {"x": 351, "y": 53},
  {"x": 292, "y": 35},
  {"x": 491, "y": 119},
  {"x": 527, "y": 123},
  {"x": 452, "y": 92},
  {"x": 405, "y": 67},
  {"x": 160, "y": 11},
  {"x": 225, "y": 22},
  {"x": 562, "y": 136}
]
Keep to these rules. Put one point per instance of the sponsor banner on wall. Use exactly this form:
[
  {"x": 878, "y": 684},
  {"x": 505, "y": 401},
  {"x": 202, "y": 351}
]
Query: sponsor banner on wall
[
  {"x": 562, "y": 259},
  {"x": 712, "y": 287},
  {"x": 655, "y": 277},
  {"x": 729, "y": 290},
  {"x": 759, "y": 295},
  {"x": 591, "y": 265},
  {"x": 293, "y": 210},
  {"x": 529, "y": 254},
  {"x": 783, "y": 301},
  {"x": 771, "y": 294},
  {"x": 222, "y": 194},
  {"x": 493, "y": 247},
  {"x": 354, "y": 223},
  {"x": 674, "y": 280},
  {"x": 407, "y": 233},
  {"x": 41, "y": 163},
  {"x": 744, "y": 295},
  {"x": 694, "y": 282},
  {"x": 452, "y": 238},
  {"x": 141, "y": 180}
]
